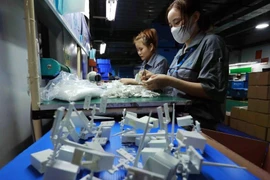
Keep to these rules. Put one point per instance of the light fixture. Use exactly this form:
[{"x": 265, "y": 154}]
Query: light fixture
[
  {"x": 111, "y": 9},
  {"x": 102, "y": 48},
  {"x": 262, "y": 26}
]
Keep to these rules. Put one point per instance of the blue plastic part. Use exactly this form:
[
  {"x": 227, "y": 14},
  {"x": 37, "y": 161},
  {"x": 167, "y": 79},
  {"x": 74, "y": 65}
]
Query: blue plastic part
[{"x": 237, "y": 84}]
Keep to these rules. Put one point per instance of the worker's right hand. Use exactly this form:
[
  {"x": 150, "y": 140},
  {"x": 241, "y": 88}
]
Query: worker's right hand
[
  {"x": 145, "y": 75},
  {"x": 128, "y": 81}
]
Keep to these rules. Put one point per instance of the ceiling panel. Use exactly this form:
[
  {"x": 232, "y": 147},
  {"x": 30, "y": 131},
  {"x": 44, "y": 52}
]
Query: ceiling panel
[{"x": 235, "y": 20}]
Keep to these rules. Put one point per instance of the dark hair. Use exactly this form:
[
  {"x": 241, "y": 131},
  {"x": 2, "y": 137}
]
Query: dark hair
[
  {"x": 187, "y": 8},
  {"x": 110, "y": 74},
  {"x": 148, "y": 37}
]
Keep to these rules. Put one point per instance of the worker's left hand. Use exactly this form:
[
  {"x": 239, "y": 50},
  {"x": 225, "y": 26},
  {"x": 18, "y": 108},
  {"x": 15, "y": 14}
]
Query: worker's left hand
[{"x": 157, "y": 81}]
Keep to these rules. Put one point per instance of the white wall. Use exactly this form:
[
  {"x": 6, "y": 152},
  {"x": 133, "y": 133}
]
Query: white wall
[
  {"x": 235, "y": 57},
  {"x": 249, "y": 53},
  {"x": 14, "y": 101}
]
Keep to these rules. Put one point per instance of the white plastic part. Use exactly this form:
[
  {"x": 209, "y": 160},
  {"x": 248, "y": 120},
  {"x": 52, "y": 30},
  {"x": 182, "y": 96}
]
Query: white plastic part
[
  {"x": 131, "y": 113},
  {"x": 191, "y": 138},
  {"x": 147, "y": 152},
  {"x": 97, "y": 161},
  {"x": 77, "y": 119},
  {"x": 40, "y": 159},
  {"x": 161, "y": 143},
  {"x": 102, "y": 117},
  {"x": 197, "y": 126},
  {"x": 105, "y": 132},
  {"x": 107, "y": 123},
  {"x": 137, "y": 173},
  {"x": 88, "y": 177},
  {"x": 167, "y": 147},
  {"x": 166, "y": 111},
  {"x": 159, "y": 135},
  {"x": 222, "y": 165},
  {"x": 100, "y": 140},
  {"x": 146, "y": 141},
  {"x": 94, "y": 145},
  {"x": 129, "y": 137},
  {"x": 126, "y": 155},
  {"x": 87, "y": 102},
  {"x": 139, "y": 123},
  {"x": 195, "y": 161},
  {"x": 173, "y": 122},
  {"x": 162, "y": 163},
  {"x": 70, "y": 128},
  {"x": 59, "y": 114},
  {"x": 153, "y": 121},
  {"x": 61, "y": 170},
  {"x": 66, "y": 153},
  {"x": 142, "y": 141},
  {"x": 160, "y": 118},
  {"x": 185, "y": 121},
  {"x": 122, "y": 162},
  {"x": 85, "y": 122},
  {"x": 103, "y": 104}
]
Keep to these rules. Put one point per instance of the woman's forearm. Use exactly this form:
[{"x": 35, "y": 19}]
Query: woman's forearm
[{"x": 191, "y": 88}]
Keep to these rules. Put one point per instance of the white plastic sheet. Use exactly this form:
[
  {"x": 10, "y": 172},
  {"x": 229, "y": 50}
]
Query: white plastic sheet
[{"x": 68, "y": 87}]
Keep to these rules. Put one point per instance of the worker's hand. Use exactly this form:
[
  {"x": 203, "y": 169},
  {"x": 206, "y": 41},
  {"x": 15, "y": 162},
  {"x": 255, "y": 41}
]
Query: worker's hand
[
  {"x": 145, "y": 75},
  {"x": 157, "y": 81},
  {"x": 128, "y": 81}
]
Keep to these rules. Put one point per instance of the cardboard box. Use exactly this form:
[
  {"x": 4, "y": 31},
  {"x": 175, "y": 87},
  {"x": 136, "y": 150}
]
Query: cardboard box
[
  {"x": 237, "y": 124},
  {"x": 268, "y": 135},
  {"x": 248, "y": 128},
  {"x": 235, "y": 113},
  {"x": 259, "y": 119},
  {"x": 233, "y": 123},
  {"x": 227, "y": 118},
  {"x": 259, "y": 78},
  {"x": 259, "y": 92},
  {"x": 261, "y": 106},
  {"x": 243, "y": 113},
  {"x": 257, "y": 131},
  {"x": 239, "y": 112}
]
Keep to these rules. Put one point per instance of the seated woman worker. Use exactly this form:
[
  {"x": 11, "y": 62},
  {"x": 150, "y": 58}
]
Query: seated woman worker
[
  {"x": 199, "y": 70},
  {"x": 146, "y": 45}
]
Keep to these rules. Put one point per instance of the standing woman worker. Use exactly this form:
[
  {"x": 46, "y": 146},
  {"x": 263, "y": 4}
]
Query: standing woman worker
[
  {"x": 146, "y": 45},
  {"x": 199, "y": 70}
]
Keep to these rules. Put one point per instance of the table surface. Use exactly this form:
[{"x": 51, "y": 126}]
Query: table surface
[
  {"x": 20, "y": 167},
  {"x": 120, "y": 102}
]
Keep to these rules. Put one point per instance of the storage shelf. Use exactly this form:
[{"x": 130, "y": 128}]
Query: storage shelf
[{"x": 49, "y": 10}]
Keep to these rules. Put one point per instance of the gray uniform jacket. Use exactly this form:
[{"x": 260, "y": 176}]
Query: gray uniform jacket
[
  {"x": 157, "y": 64},
  {"x": 205, "y": 61}
]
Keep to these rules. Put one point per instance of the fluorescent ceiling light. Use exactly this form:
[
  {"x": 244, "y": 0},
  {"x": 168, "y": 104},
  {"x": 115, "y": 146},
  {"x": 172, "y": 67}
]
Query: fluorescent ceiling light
[
  {"x": 102, "y": 48},
  {"x": 262, "y": 26},
  {"x": 111, "y": 9}
]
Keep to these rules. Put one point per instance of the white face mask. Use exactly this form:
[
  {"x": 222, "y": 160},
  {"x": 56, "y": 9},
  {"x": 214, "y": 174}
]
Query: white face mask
[{"x": 181, "y": 34}]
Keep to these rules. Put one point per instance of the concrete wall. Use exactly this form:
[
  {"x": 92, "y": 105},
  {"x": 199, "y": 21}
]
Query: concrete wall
[{"x": 15, "y": 125}]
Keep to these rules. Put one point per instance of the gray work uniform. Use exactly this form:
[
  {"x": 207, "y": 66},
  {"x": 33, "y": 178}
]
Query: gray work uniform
[
  {"x": 205, "y": 61},
  {"x": 157, "y": 64}
]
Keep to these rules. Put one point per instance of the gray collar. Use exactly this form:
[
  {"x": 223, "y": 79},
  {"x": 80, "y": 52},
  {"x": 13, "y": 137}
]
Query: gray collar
[
  {"x": 151, "y": 61},
  {"x": 196, "y": 41}
]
